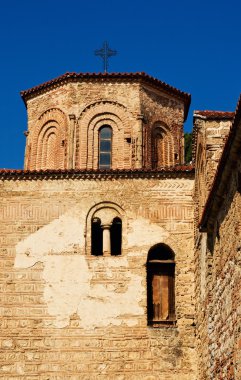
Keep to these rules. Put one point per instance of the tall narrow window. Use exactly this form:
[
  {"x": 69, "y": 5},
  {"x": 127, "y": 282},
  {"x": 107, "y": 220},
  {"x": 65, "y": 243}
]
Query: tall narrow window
[
  {"x": 162, "y": 147},
  {"x": 115, "y": 236},
  {"x": 105, "y": 147},
  {"x": 160, "y": 285},
  {"x": 157, "y": 146},
  {"x": 96, "y": 237}
]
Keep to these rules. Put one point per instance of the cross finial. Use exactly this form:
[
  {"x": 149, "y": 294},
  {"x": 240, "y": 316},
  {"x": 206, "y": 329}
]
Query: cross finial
[{"x": 105, "y": 53}]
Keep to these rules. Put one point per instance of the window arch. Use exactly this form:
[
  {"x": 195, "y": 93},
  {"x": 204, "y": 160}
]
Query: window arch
[
  {"x": 162, "y": 147},
  {"x": 160, "y": 285},
  {"x": 105, "y": 147},
  {"x": 105, "y": 222},
  {"x": 47, "y": 140}
]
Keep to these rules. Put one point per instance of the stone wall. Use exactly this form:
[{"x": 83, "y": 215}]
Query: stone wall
[
  {"x": 218, "y": 289},
  {"x": 209, "y": 138},
  {"x": 218, "y": 258},
  {"x": 68, "y": 315}
]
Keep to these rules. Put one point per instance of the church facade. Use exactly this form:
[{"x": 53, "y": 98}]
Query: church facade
[{"x": 112, "y": 265}]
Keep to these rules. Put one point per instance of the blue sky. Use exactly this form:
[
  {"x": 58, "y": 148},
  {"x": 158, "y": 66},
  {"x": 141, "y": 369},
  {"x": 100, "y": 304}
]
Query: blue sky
[{"x": 191, "y": 45}]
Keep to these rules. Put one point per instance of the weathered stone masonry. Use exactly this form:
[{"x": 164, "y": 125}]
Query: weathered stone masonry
[
  {"x": 217, "y": 259},
  {"x": 115, "y": 263},
  {"x": 65, "y": 312}
]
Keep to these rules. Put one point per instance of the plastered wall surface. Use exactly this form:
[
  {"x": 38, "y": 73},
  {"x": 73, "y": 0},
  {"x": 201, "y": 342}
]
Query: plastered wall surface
[{"x": 68, "y": 315}]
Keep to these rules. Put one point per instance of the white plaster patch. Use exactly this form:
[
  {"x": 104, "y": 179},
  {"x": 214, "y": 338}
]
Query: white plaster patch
[
  {"x": 67, "y": 283},
  {"x": 108, "y": 262},
  {"x": 68, "y": 291},
  {"x": 102, "y": 307},
  {"x": 145, "y": 233},
  {"x": 68, "y": 287},
  {"x": 58, "y": 236}
]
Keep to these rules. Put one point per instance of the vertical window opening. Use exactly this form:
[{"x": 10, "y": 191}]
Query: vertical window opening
[
  {"x": 96, "y": 237},
  {"x": 162, "y": 148},
  {"x": 157, "y": 148},
  {"x": 105, "y": 147},
  {"x": 160, "y": 285},
  {"x": 116, "y": 233}
]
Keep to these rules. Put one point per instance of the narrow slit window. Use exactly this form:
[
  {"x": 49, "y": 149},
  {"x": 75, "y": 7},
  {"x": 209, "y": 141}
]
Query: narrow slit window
[
  {"x": 105, "y": 147},
  {"x": 96, "y": 237},
  {"x": 115, "y": 233},
  {"x": 158, "y": 158}
]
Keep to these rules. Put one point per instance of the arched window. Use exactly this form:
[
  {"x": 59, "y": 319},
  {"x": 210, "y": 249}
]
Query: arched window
[
  {"x": 160, "y": 285},
  {"x": 105, "y": 147},
  {"x": 162, "y": 147},
  {"x": 106, "y": 239},
  {"x": 158, "y": 148}
]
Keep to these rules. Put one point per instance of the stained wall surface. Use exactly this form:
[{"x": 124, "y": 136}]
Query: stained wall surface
[{"x": 66, "y": 314}]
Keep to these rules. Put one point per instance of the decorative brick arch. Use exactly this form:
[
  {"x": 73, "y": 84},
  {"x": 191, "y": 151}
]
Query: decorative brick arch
[
  {"x": 47, "y": 154},
  {"x": 107, "y": 211},
  {"x": 48, "y": 148},
  {"x": 91, "y": 119},
  {"x": 162, "y": 145}
]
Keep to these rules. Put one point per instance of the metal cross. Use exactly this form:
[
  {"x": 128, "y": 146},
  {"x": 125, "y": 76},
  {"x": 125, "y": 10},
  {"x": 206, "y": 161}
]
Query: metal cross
[{"x": 105, "y": 53}]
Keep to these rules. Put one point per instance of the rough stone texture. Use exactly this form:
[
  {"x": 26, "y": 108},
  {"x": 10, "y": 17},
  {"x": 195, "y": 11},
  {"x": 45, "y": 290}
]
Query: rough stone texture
[
  {"x": 218, "y": 281},
  {"x": 210, "y": 137},
  {"x": 68, "y": 315},
  {"x": 218, "y": 306}
]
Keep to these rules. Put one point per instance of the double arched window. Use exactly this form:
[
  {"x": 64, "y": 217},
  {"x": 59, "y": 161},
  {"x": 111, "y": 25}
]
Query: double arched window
[
  {"x": 105, "y": 147},
  {"x": 106, "y": 239},
  {"x": 160, "y": 285}
]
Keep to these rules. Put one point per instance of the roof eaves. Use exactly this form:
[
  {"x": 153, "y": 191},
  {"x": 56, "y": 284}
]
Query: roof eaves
[
  {"x": 213, "y": 114},
  {"x": 26, "y": 94},
  {"x": 75, "y": 173}
]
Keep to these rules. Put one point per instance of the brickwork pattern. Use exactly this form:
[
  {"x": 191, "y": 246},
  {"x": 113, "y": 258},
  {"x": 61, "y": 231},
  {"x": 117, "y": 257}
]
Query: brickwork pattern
[
  {"x": 160, "y": 109},
  {"x": 68, "y": 315},
  {"x": 46, "y": 148},
  {"x": 71, "y": 116}
]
